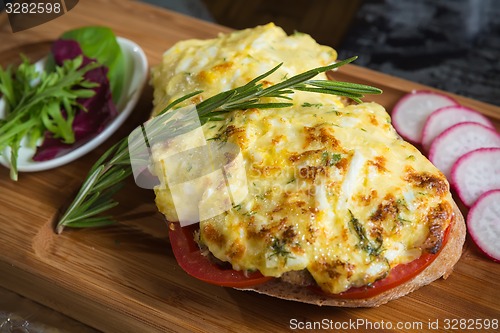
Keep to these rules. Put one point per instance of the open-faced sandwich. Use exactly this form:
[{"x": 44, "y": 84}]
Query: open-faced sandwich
[{"x": 338, "y": 210}]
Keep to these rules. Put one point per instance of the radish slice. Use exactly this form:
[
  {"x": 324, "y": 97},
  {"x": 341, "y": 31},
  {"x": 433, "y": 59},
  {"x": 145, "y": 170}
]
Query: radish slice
[
  {"x": 444, "y": 118},
  {"x": 475, "y": 173},
  {"x": 411, "y": 112},
  {"x": 483, "y": 223},
  {"x": 459, "y": 140}
]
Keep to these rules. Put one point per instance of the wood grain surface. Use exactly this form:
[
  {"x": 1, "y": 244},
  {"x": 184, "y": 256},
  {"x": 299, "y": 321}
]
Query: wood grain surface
[{"x": 124, "y": 278}]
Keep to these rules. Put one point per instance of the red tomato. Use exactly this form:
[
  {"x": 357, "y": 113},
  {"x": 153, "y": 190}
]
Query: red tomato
[{"x": 189, "y": 257}]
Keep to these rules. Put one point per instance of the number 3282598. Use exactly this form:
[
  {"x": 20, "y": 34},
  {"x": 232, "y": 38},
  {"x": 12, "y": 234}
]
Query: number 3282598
[
  {"x": 471, "y": 324},
  {"x": 33, "y": 8}
]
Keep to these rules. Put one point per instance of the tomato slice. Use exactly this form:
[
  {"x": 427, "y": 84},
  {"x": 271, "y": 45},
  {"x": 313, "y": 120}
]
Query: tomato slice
[
  {"x": 189, "y": 257},
  {"x": 398, "y": 275}
]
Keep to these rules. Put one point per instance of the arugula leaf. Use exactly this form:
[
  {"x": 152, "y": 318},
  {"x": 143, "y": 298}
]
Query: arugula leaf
[{"x": 100, "y": 43}]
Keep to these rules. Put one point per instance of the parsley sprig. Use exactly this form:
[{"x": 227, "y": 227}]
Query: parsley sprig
[
  {"x": 34, "y": 103},
  {"x": 105, "y": 177}
]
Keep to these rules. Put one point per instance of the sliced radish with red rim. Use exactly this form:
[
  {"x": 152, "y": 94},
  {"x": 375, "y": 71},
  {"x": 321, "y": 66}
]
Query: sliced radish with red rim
[
  {"x": 411, "y": 112},
  {"x": 459, "y": 140},
  {"x": 476, "y": 173},
  {"x": 446, "y": 117},
  {"x": 483, "y": 224}
]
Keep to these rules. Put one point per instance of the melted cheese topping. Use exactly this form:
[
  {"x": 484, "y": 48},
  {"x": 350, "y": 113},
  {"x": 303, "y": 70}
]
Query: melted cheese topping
[
  {"x": 332, "y": 189},
  {"x": 232, "y": 60}
]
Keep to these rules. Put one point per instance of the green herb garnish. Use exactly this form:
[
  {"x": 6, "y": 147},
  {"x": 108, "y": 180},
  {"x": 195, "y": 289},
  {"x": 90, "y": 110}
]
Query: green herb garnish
[
  {"x": 95, "y": 195},
  {"x": 330, "y": 160},
  {"x": 372, "y": 248},
  {"x": 403, "y": 220},
  {"x": 311, "y": 105},
  {"x": 279, "y": 249}
]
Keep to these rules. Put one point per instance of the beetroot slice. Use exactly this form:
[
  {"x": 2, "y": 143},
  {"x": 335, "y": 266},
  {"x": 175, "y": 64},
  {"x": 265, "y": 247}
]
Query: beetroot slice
[
  {"x": 475, "y": 173},
  {"x": 411, "y": 112},
  {"x": 445, "y": 117},
  {"x": 483, "y": 224},
  {"x": 458, "y": 140}
]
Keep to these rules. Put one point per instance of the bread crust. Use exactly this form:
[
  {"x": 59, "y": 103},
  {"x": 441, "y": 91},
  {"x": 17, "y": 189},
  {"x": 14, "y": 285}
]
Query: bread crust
[{"x": 442, "y": 266}]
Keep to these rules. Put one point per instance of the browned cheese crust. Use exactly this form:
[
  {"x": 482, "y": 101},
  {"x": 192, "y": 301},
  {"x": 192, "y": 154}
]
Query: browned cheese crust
[{"x": 442, "y": 266}]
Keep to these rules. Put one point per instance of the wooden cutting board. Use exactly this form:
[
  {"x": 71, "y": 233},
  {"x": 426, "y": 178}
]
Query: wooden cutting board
[{"x": 124, "y": 278}]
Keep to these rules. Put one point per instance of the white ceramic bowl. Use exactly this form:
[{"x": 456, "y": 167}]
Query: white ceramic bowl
[{"x": 135, "y": 78}]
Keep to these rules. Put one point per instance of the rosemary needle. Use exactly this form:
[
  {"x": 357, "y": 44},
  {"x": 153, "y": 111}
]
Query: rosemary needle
[{"x": 105, "y": 177}]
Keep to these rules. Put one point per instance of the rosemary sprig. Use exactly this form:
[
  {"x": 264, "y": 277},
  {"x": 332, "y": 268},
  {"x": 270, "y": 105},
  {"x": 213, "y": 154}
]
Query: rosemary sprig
[
  {"x": 96, "y": 193},
  {"x": 105, "y": 177}
]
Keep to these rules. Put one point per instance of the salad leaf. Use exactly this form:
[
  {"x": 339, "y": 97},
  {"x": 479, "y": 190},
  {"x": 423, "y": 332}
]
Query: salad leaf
[
  {"x": 100, "y": 43},
  {"x": 69, "y": 100},
  {"x": 38, "y": 100},
  {"x": 96, "y": 107}
]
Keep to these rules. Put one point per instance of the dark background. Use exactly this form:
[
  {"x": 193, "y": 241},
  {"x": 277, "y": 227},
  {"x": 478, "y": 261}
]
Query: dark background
[{"x": 453, "y": 45}]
